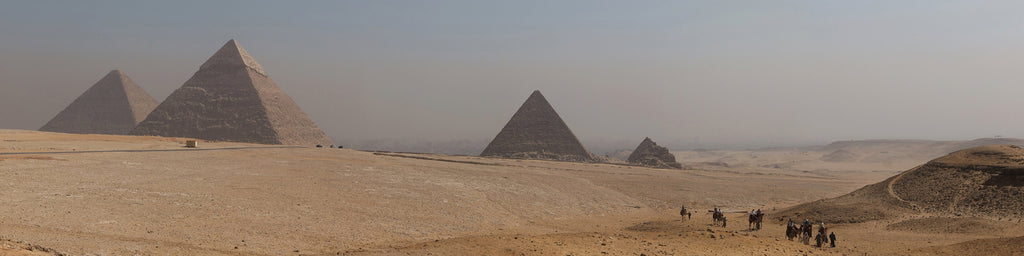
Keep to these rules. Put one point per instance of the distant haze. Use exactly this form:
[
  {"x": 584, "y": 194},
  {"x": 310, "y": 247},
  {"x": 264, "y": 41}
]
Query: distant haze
[{"x": 688, "y": 74}]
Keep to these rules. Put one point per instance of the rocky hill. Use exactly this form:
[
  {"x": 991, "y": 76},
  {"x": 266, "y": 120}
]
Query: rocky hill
[{"x": 985, "y": 181}]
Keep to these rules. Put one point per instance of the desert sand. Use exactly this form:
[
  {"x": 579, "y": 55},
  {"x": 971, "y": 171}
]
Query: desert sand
[{"x": 117, "y": 195}]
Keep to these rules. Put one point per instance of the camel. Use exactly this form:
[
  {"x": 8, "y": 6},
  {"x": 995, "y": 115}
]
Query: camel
[
  {"x": 820, "y": 239},
  {"x": 686, "y": 215},
  {"x": 718, "y": 216},
  {"x": 755, "y": 220},
  {"x": 805, "y": 233},
  {"x": 792, "y": 232}
]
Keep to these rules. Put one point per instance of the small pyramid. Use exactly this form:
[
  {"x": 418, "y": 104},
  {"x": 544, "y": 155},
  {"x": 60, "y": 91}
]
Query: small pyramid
[
  {"x": 114, "y": 105},
  {"x": 537, "y": 132},
  {"x": 650, "y": 154},
  {"x": 231, "y": 98}
]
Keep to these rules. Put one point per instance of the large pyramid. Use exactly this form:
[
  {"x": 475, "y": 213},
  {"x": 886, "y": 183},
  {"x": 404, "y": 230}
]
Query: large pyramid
[
  {"x": 537, "y": 132},
  {"x": 230, "y": 98},
  {"x": 114, "y": 105}
]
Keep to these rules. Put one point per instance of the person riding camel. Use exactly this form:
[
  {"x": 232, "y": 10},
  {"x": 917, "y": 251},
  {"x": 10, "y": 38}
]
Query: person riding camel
[
  {"x": 821, "y": 228},
  {"x": 790, "y": 224},
  {"x": 682, "y": 212},
  {"x": 807, "y": 222},
  {"x": 758, "y": 212},
  {"x": 751, "y": 212}
]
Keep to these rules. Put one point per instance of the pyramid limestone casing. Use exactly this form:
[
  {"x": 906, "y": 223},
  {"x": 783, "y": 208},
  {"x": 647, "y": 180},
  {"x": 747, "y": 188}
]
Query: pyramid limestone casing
[
  {"x": 230, "y": 98},
  {"x": 536, "y": 131},
  {"x": 114, "y": 105}
]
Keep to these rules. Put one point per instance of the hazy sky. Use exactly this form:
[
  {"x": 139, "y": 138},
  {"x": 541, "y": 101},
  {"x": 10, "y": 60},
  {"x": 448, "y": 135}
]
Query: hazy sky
[{"x": 709, "y": 73}]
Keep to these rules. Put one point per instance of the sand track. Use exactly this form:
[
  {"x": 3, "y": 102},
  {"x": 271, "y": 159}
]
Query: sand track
[{"x": 892, "y": 192}]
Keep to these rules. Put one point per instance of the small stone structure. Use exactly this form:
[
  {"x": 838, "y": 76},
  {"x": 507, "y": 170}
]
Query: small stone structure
[
  {"x": 537, "y": 132},
  {"x": 114, "y": 105},
  {"x": 230, "y": 98},
  {"x": 650, "y": 154}
]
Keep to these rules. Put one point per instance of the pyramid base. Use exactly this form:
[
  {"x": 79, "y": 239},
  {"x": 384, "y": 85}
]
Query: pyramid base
[{"x": 546, "y": 156}]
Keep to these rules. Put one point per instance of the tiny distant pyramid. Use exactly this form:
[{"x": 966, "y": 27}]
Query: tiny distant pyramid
[
  {"x": 230, "y": 98},
  {"x": 114, "y": 105},
  {"x": 650, "y": 154},
  {"x": 537, "y": 132}
]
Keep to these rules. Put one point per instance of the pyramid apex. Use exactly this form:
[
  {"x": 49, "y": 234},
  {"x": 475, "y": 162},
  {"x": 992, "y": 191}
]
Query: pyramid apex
[
  {"x": 536, "y": 95},
  {"x": 116, "y": 75},
  {"x": 232, "y": 55},
  {"x": 647, "y": 142}
]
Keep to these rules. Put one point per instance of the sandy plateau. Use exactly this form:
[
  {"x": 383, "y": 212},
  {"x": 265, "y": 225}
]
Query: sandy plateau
[{"x": 118, "y": 195}]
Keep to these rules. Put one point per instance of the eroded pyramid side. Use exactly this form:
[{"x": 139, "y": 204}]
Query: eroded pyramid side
[
  {"x": 536, "y": 131},
  {"x": 113, "y": 105},
  {"x": 649, "y": 154},
  {"x": 230, "y": 98}
]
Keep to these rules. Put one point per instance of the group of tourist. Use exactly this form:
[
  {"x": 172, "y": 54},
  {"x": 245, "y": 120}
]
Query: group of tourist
[
  {"x": 805, "y": 230},
  {"x": 790, "y": 227}
]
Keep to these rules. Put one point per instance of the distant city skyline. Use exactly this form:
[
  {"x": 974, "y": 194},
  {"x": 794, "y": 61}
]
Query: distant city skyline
[{"x": 709, "y": 74}]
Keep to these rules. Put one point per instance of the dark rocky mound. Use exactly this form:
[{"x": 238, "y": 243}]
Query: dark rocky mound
[
  {"x": 986, "y": 181},
  {"x": 872, "y": 202},
  {"x": 650, "y": 154},
  {"x": 980, "y": 181},
  {"x": 947, "y": 225}
]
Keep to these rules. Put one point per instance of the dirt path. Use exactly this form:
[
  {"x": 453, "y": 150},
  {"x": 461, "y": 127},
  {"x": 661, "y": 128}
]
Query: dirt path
[{"x": 892, "y": 192}]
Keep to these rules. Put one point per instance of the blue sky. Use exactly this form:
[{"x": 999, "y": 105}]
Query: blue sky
[{"x": 696, "y": 73}]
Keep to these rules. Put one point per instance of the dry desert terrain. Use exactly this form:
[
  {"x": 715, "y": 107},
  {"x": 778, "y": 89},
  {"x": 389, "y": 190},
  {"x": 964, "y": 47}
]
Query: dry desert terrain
[{"x": 129, "y": 195}]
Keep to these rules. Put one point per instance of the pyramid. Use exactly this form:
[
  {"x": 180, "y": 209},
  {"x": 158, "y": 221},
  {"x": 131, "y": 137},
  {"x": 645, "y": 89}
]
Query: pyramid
[
  {"x": 650, "y": 154},
  {"x": 537, "y": 132},
  {"x": 231, "y": 98},
  {"x": 114, "y": 105}
]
